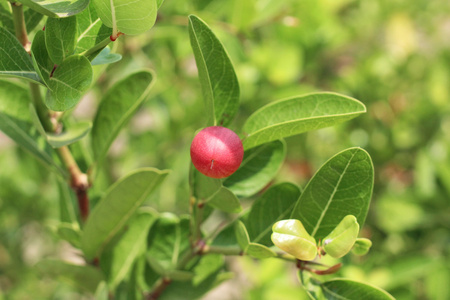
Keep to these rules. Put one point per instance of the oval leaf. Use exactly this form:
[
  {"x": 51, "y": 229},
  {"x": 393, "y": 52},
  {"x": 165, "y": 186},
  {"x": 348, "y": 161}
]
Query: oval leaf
[
  {"x": 129, "y": 17},
  {"x": 14, "y": 60},
  {"x": 361, "y": 246},
  {"x": 69, "y": 82},
  {"x": 106, "y": 57},
  {"x": 116, "y": 109},
  {"x": 75, "y": 133},
  {"x": 274, "y": 205},
  {"x": 56, "y": 8},
  {"x": 225, "y": 200},
  {"x": 60, "y": 38},
  {"x": 259, "y": 251},
  {"x": 218, "y": 80},
  {"x": 41, "y": 61},
  {"x": 342, "y": 238},
  {"x": 114, "y": 209},
  {"x": 342, "y": 186},
  {"x": 259, "y": 167},
  {"x": 297, "y": 115},
  {"x": 343, "y": 289}
]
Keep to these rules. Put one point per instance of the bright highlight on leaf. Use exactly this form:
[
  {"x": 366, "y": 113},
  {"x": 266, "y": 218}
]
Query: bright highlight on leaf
[{"x": 341, "y": 239}]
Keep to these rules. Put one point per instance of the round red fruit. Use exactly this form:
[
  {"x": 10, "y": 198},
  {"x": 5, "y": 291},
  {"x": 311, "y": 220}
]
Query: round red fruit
[{"x": 217, "y": 152}]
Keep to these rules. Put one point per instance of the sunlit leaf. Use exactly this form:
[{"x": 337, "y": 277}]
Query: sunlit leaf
[{"x": 56, "y": 8}]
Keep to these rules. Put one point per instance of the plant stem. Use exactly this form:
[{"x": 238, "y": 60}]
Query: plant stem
[
  {"x": 223, "y": 250},
  {"x": 19, "y": 25},
  {"x": 159, "y": 288},
  {"x": 41, "y": 109}
]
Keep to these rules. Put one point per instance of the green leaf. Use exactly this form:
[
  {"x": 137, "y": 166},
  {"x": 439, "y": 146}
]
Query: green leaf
[
  {"x": 70, "y": 232},
  {"x": 341, "y": 289},
  {"x": 218, "y": 80},
  {"x": 129, "y": 17},
  {"x": 66, "y": 204},
  {"x": 167, "y": 241},
  {"x": 60, "y": 38},
  {"x": 179, "y": 275},
  {"x": 16, "y": 122},
  {"x": 117, "y": 261},
  {"x": 106, "y": 57},
  {"x": 73, "y": 134},
  {"x": 259, "y": 251},
  {"x": 69, "y": 82},
  {"x": 56, "y": 8},
  {"x": 361, "y": 246},
  {"x": 241, "y": 235},
  {"x": 116, "y": 207},
  {"x": 41, "y": 61},
  {"x": 86, "y": 278},
  {"x": 341, "y": 240},
  {"x": 225, "y": 200},
  {"x": 342, "y": 186},
  {"x": 14, "y": 60},
  {"x": 259, "y": 167},
  {"x": 297, "y": 115},
  {"x": 274, "y": 205},
  {"x": 90, "y": 30},
  {"x": 116, "y": 109},
  {"x": 32, "y": 18}
]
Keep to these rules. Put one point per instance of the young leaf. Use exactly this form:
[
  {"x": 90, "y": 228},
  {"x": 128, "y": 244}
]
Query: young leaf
[
  {"x": 106, "y": 57},
  {"x": 361, "y": 246},
  {"x": 85, "y": 278},
  {"x": 259, "y": 251},
  {"x": 218, "y": 80},
  {"x": 16, "y": 122},
  {"x": 41, "y": 61},
  {"x": 117, "y": 107},
  {"x": 14, "y": 60},
  {"x": 69, "y": 82},
  {"x": 117, "y": 261},
  {"x": 129, "y": 17},
  {"x": 352, "y": 290},
  {"x": 75, "y": 133},
  {"x": 60, "y": 38},
  {"x": 117, "y": 206},
  {"x": 297, "y": 115},
  {"x": 274, "y": 205},
  {"x": 225, "y": 200},
  {"x": 342, "y": 186},
  {"x": 339, "y": 242},
  {"x": 56, "y": 8},
  {"x": 241, "y": 235},
  {"x": 259, "y": 167}
]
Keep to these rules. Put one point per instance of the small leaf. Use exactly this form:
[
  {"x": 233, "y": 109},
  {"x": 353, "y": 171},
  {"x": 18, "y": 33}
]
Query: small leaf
[
  {"x": 352, "y": 290},
  {"x": 60, "y": 38},
  {"x": 116, "y": 207},
  {"x": 361, "y": 246},
  {"x": 133, "y": 17},
  {"x": 297, "y": 115},
  {"x": 342, "y": 186},
  {"x": 259, "y": 251},
  {"x": 86, "y": 278},
  {"x": 241, "y": 235},
  {"x": 274, "y": 205},
  {"x": 75, "y": 133},
  {"x": 218, "y": 80},
  {"x": 41, "y": 61},
  {"x": 225, "y": 200},
  {"x": 116, "y": 109},
  {"x": 56, "y": 8},
  {"x": 71, "y": 233},
  {"x": 14, "y": 60},
  {"x": 69, "y": 82},
  {"x": 342, "y": 238},
  {"x": 291, "y": 236},
  {"x": 259, "y": 167},
  {"x": 106, "y": 57}
]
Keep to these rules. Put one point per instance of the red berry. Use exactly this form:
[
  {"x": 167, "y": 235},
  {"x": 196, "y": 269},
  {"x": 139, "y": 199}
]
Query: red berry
[{"x": 217, "y": 152}]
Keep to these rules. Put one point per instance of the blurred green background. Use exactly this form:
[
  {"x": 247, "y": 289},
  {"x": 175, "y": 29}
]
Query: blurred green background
[{"x": 393, "y": 55}]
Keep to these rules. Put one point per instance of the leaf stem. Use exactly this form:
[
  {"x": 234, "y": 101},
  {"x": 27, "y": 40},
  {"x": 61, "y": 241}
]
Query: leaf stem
[
  {"x": 97, "y": 47},
  {"x": 19, "y": 25},
  {"x": 162, "y": 284}
]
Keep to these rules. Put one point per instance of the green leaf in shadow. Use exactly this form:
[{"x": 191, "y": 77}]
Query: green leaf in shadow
[
  {"x": 57, "y": 8},
  {"x": 60, "y": 38}
]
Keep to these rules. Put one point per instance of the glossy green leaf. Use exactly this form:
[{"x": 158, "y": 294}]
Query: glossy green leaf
[
  {"x": 274, "y": 205},
  {"x": 14, "y": 60},
  {"x": 259, "y": 251},
  {"x": 218, "y": 80},
  {"x": 129, "y": 17},
  {"x": 106, "y": 57},
  {"x": 361, "y": 246},
  {"x": 117, "y": 261},
  {"x": 259, "y": 167},
  {"x": 57, "y": 8},
  {"x": 90, "y": 30},
  {"x": 116, "y": 109},
  {"x": 73, "y": 134},
  {"x": 241, "y": 235},
  {"x": 342, "y": 289},
  {"x": 85, "y": 278},
  {"x": 69, "y": 82},
  {"x": 225, "y": 200},
  {"x": 41, "y": 61},
  {"x": 168, "y": 240},
  {"x": 60, "y": 38},
  {"x": 16, "y": 122},
  {"x": 342, "y": 186},
  {"x": 297, "y": 115},
  {"x": 341, "y": 240},
  {"x": 116, "y": 207}
]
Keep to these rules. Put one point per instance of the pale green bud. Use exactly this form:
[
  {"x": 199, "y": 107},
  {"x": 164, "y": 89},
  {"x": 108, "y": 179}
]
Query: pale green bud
[
  {"x": 361, "y": 246},
  {"x": 340, "y": 241}
]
